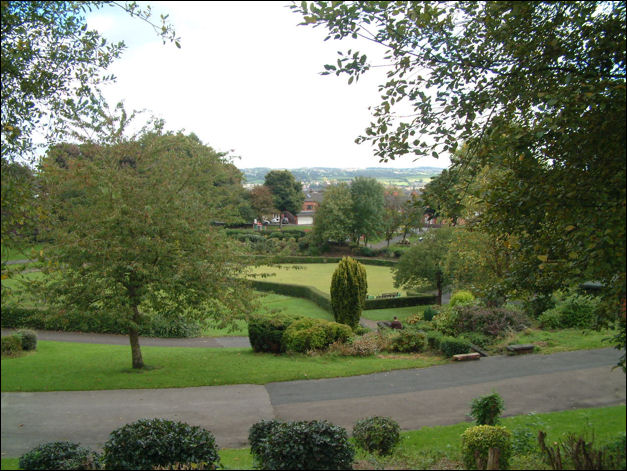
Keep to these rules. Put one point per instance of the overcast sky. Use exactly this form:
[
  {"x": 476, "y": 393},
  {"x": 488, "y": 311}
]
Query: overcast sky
[{"x": 247, "y": 79}]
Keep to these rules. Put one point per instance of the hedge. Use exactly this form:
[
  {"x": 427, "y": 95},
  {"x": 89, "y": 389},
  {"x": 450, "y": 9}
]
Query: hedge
[
  {"x": 324, "y": 300},
  {"x": 308, "y": 259}
]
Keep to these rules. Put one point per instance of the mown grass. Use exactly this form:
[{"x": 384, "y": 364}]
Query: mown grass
[
  {"x": 563, "y": 340},
  {"x": 65, "y": 366},
  {"x": 435, "y": 447}
]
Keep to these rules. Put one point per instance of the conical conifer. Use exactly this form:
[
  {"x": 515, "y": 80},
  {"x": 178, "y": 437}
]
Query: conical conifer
[{"x": 349, "y": 286}]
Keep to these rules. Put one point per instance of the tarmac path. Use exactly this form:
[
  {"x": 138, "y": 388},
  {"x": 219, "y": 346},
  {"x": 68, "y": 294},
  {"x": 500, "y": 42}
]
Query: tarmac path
[{"x": 439, "y": 395}]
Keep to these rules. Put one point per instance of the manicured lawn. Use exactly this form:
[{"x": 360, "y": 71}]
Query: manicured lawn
[
  {"x": 318, "y": 275},
  {"x": 564, "y": 340},
  {"x": 387, "y": 314},
  {"x": 65, "y": 366},
  {"x": 436, "y": 446}
]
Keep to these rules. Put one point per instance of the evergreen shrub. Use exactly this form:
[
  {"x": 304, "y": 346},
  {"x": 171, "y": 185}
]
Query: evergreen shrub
[
  {"x": 377, "y": 434},
  {"x": 314, "y": 334},
  {"x": 487, "y": 320},
  {"x": 348, "y": 291},
  {"x": 486, "y": 410},
  {"x": 29, "y": 339},
  {"x": 477, "y": 441},
  {"x": 453, "y": 346},
  {"x": 59, "y": 455},
  {"x": 265, "y": 333},
  {"x": 461, "y": 298},
  {"x": 575, "y": 310},
  {"x": 148, "y": 443},
  {"x": 409, "y": 341},
  {"x": 11, "y": 344}
]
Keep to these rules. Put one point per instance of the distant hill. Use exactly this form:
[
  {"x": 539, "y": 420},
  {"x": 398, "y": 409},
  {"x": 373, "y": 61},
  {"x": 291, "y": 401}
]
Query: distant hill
[{"x": 315, "y": 177}]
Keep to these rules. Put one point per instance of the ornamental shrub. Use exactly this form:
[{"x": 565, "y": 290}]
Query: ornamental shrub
[
  {"x": 486, "y": 410},
  {"x": 60, "y": 455},
  {"x": 349, "y": 287},
  {"x": 148, "y": 443},
  {"x": 453, "y": 346},
  {"x": 266, "y": 332},
  {"x": 29, "y": 339},
  {"x": 446, "y": 321},
  {"x": 433, "y": 339},
  {"x": 409, "y": 341},
  {"x": 258, "y": 434},
  {"x": 11, "y": 344},
  {"x": 377, "y": 435},
  {"x": 551, "y": 319},
  {"x": 461, "y": 298},
  {"x": 477, "y": 441},
  {"x": 575, "y": 310},
  {"x": 429, "y": 313},
  {"x": 314, "y": 334},
  {"x": 306, "y": 445},
  {"x": 487, "y": 320},
  {"x": 480, "y": 339}
]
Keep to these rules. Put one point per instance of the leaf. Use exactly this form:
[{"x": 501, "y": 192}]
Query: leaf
[{"x": 543, "y": 258}]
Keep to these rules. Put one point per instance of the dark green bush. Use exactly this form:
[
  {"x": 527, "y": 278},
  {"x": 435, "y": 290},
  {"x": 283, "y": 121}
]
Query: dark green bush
[
  {"x": 477, "y": 441},
  {"x": 453, "y": 346},
  {"x": 409, "y": 341},
  {"x": 266, "y": 332},
  {"x": 258, "y": 434},
  {"x": 314, "y": 334},
  {"x": 377, "y": 434},
  {"x": 575, "y": 310},
  {"x": 349, "y": 287},
  {"x": 306, "y": 292},
  {"x": 307, "y": 445},
  {"x": 148, "y": 443},
  {"x": 535, "y": 306},
  {"x": 433, "y": 339},
  {"x": 478, "y": 338},
  {"x": 29, "y": 339},
  {"x": 60, "y": 455},
  {"x": 402, "y": 301},
  {"x": 429, "y": 313},
  {"x": 11, "y": 344},
  {"x": 486, "y": 410}
]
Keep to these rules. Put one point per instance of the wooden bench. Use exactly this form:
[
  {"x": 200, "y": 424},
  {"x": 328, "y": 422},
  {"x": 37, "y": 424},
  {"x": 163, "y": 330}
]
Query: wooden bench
[
  {"x": 388, "y": 295},
  {"x": 466, "y": 356},
  {"x": 520, "y": 348}
]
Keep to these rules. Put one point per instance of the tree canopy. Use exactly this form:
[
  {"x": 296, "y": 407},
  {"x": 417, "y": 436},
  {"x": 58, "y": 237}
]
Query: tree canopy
[{"x": 287, "y": 192}]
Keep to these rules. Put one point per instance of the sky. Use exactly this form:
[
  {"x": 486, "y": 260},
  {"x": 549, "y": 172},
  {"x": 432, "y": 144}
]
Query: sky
[{"x": 247, "y": 80}]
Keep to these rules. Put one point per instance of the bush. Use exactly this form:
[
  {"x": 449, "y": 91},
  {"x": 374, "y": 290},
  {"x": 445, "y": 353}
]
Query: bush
[
  {"x": 478, "y": 338},
  {"x": 348, "y": 291},
  {"x": 575, "y": 310},
  {"x": 377, "y": 434},
  {"x": 486, "y": 410},
  {"x": 487, "y": 320},
  {"x": 361, "y": 346},
  {"x": 429, "y": 313},
  {"x": 29, "y": 339},
  {"x": 258, "y": 434},
  {"x": 11, "y": 344},
  {"x": 147, "y": 443},
  {"x": 461, "y": 298},
  {"x": 477, "y": 441},
  {"x": 314, "y": 334},
  {"x": 266, "y": 332},
  {"x": 409, "y": 341},
  {"x": 446, "y": 321},
  {"x": 453, "y": 346},
  {"x": 306, "y": 445},
  {"x": 60, "y": 455},
  {"x": 433, "y": 339},
  {"x": 537, "y": 305}
]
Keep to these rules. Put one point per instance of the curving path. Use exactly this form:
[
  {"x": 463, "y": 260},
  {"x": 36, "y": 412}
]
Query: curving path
[{"x": 415, "y": 398}]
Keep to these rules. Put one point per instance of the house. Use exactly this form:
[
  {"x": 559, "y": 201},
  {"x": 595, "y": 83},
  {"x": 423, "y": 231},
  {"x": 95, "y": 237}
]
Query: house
[{"x": 310, "y": 205}]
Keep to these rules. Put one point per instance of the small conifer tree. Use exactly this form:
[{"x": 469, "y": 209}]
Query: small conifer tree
[{"x": 348, "y": 291}]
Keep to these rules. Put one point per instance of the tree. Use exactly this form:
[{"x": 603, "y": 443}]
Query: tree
[
  {"x": 393, "y": 201},
  {"x": 412, "y": 213},
  {"x": 287, "y": 192},
  {"x": 367, "y": 208},
  {"x": 334, "y": 218},
  {"x": 133, "y": 232},
  {"x": 536, "y": 89},
  {"x": 349, "y": 287},
  {"x": 261, "y": 201},
  {"x": 423, "y": 266}
]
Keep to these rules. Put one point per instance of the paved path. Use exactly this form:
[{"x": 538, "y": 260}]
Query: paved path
[{"x": 415, "y": 398}]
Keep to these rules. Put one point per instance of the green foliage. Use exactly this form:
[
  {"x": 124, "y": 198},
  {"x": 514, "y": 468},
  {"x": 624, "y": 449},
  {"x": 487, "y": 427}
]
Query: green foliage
[
  {"x": 298, "y": 291},
  {"x": 577, "y": 451},
  {"x": 266, "y": 332},
  {"x": 29, "y": 339},
  {"x": 314, "y": 334},
  {"x": 429, "y": 313},
  {"x": 476, "y": 441},
  {"x": 286, "y": 191},
  {"x": 147, "y": 443},
  {"x": 306, "y": 445},
  {"x": 453, "y": 346},
  {"x": 11, "y": 344},
  {"x": 349, "y": 287},
  {"x": 486, "y": 410},
  {"x": 487, "y": 320},
  {"x": 60, "y": 455},
  {"x": 334, "y": 218},
  {"x": 258, "y": 434},
  {"x": 461, "y": 298},
  {"x": 445, "y": 321},
  {"x": 377, "y": 434},
  {"x": 477, "y": 338},
  {"x": 367, "y": 208},
  {"x": 409, "y": 341},
  {"x": 574, "y": 310},
  {"x": 538, "y": 304}
]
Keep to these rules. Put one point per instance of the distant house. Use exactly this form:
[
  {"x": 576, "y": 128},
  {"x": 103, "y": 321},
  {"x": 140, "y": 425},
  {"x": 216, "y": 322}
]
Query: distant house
[{"x": 310, "y": 205}]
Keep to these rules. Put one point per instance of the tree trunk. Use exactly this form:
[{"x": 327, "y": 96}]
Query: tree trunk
[{"x": 136, "y": 353}]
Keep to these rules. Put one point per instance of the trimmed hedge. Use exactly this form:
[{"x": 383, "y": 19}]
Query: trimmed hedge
[
  {"x": 266, "y": 332},
  {"x": 453, "y": 346},
  {"x": 314, "y": 334},
  {"x": 377, "y": 434},
  {"x": 311, "y": 259},
  {"x": 403, "y": 301},
  {"x": 476, "y": 441},
  {"x": 29, "y": 339}
]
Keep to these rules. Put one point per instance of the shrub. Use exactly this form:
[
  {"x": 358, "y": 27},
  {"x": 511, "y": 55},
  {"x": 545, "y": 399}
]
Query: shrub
[
  {"x": 266, "y": 332},
  {"x": 313, "y": 334},
  {"x": 348, "y": 291},
  {"x": 477, "y": 441},
  {"x": 29, "y": 339},
  {"x": 486, "y": 410},
  {"x": 11, "y": 344},
  {"x": 579, "y": 452},
  {"x": 461, "y": 298},
  {"x": 307, "y": 445},
  {"x": 147, "y": 443},
  {"x": 445, "y": 321},
  {"x": 537, "y": 305},
  {"x": 258, "y": 434},
  {"x": 429, "y": 313},
  {"x": 433, "y": 339},
  {"x": 409, "y": 341},
  {"x": 59, "y": 455},
  {"x": 377, "y": 434},
  {"x": 478, "y": 338},
  {"x": 575, "y": 310},
  {"x": 361, "y": 330},
  {"x": 487, "y": 320},
  {"x": 453, "y": 346}
]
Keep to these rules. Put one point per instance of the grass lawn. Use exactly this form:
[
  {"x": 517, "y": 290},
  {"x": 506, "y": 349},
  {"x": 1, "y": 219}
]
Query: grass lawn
[
  {"x": 318, "y": 275},
  {"x": 563, "y": 340},
  {"x": 66, "y": 366},
  {"x": 435, "y": 447}
]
